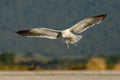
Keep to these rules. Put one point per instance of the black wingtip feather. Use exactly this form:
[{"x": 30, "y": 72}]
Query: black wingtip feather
[
  {"x": 101, "y": 15},
  {"x": 23, "y": 32}
]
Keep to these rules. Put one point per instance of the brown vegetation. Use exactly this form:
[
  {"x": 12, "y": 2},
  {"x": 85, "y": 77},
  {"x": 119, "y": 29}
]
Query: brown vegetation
[
  {"x": 12, "y": 62},
  {"x": 117, "y": 66},
  {"x": 17, "y": 68},
  {"x": 96, "y": 63}
]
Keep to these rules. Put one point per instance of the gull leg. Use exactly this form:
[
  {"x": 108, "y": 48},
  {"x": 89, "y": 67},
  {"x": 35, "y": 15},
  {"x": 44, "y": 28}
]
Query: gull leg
[
  {"x": 67, "y": 45},
  {"x": 75, "y": 44}
]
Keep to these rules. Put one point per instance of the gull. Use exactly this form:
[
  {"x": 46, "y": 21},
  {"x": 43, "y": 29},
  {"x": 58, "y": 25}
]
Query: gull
[{"x": 70, "y": 36}]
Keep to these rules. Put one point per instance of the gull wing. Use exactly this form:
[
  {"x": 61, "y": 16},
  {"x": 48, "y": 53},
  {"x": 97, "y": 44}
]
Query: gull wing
[
  {"x": 86, "y": 23},
  {"x": 40, "y": 32}
]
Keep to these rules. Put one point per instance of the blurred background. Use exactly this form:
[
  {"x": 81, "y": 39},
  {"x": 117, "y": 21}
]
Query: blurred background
[{"x": 99, "y": 44}]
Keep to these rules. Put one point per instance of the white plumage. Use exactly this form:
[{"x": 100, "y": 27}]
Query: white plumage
[{"x": 70, "y": 35}]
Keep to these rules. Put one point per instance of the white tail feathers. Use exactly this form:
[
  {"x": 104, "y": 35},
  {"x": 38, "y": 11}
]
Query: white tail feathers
[{"x": 78, "y": 38}]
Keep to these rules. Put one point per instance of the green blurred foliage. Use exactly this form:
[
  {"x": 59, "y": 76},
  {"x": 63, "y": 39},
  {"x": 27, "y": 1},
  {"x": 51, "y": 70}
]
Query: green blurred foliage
[
  {"x": 10, "y": 61},
  {"x": 7, "y": 58}
]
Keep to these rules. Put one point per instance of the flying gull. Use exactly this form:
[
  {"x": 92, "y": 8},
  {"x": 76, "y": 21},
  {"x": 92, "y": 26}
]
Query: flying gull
[{"x": 70, "y": 36}]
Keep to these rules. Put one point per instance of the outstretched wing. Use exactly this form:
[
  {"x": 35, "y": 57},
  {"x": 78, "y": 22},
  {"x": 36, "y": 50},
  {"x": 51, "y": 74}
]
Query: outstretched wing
[
  {"x": 86, "y": 23},
  {"x": 40, "y": 32}
]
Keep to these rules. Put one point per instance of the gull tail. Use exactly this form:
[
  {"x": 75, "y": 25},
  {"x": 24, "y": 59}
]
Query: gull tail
[{"x": 78, "y": 38}]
